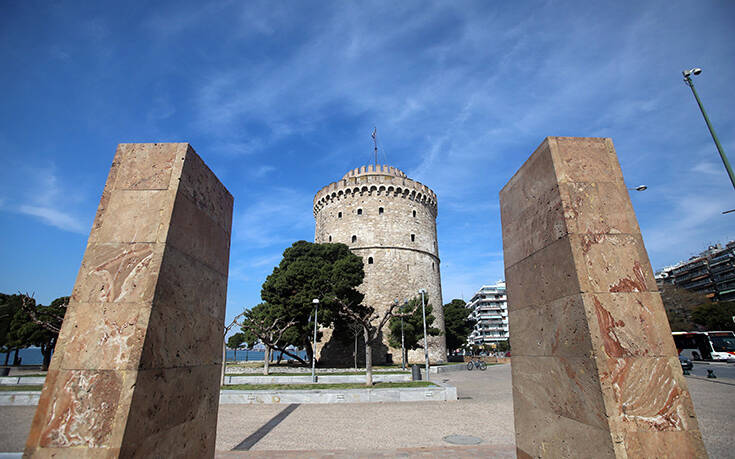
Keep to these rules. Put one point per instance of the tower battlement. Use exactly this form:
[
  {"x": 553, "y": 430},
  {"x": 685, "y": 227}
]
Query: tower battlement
[{"x": 381, "y": 180}]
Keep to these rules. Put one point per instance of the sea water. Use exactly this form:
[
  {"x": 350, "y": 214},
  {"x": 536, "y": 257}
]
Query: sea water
[{"x": 33, "y": 356}]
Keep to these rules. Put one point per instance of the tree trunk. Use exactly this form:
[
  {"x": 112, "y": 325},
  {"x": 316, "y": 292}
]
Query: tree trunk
[
  {"x": 405, "y": 356},
  {"x": 368, "y": 360},
  {"x": 224, "y": 362},
  {"x": 16, "y": 360},
  {"x": 46, "y": 351},
  {"x": 355, "y": 353},
  {"x": 266, "y": 360},
  {"x": 7, "y": 356}
]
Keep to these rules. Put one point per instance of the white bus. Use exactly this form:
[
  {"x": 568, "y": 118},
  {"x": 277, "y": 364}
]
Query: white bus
[{"x": 711, "y": 345}]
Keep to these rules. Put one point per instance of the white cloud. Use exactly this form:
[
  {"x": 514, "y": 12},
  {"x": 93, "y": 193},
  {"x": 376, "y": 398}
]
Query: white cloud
[
  {"x": 44, "y": 197},
  {"x": 278, "y": 217},
  {"x": 56, "y": 218}
]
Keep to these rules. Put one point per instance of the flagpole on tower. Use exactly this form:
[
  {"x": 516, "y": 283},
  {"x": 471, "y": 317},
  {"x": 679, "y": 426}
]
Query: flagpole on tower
[{"x": 374, "y": 135}]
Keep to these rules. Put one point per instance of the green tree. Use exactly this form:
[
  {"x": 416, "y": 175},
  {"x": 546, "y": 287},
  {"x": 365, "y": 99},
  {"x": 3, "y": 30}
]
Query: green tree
[
  {"x": 413, "y": 326},
  {"x": 9, "y": 306},
  {"x": 308, "y": 271},
  {"x": 38, "y": 325},
  {"x": 680, "y": 305},
  {"x": 503, "y": 346},
  {"x": 457, "y": 324},
  {"x": 268, "y": 325},
  {"x": 235, "y": 341},
  {"x": 715, "y": 316}
]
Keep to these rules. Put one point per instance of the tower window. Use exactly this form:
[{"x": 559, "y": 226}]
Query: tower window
[
  {"x": 339, "y": 215},
  {"x": 359, "y": 211},
  {"x": 432, "y": 266},
  {"x": 370, "y": 260},
  {"x": 414, "y": 214},
  {"x": 354, "y": 238},
  {"x": 330, "y": 238},
  {"x": 380, "y": 210},
  {"x": 413, "y": 238}
]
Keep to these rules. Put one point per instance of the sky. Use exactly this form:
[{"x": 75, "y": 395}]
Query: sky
[{"x": 280, "y": 99}]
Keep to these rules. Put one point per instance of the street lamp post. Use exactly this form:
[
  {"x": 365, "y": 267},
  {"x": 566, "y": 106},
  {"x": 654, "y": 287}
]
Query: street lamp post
[
  {"x": 688, "y": 80},
  {"x": 313, "y": 353},
  {"x": 426, "y": 347}
]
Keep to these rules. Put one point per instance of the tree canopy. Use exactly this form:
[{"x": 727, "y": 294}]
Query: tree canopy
[
  {"x": 308, "y": 271},
  {"x": 716, "y": 316},
  {"x": 413, "y": 324},
  {"x": 31, "y": 324},
  {"x": 236, "y": 341},
  {"x": 680, "y": 305},
  {"x": 457, "y": 324}
]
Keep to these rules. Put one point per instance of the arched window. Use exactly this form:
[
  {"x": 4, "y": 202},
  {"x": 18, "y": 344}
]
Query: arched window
[
  {"x": 432, "y": 266},
  {"x": 413, "y": 238},
  {"x": 359, "y": 211},
  {"x": 380, "y": 210},
  {"x": 339, "y": 215},
  {"x": 354, "y": 238},
  {"x": 330, "y": 238},
  {"x": 370, "y": 260},
  {"x": 414, "y": 214}
]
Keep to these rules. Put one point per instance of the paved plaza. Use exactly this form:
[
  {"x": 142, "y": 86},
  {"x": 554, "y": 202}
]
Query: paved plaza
[{"x": 484, "y": 411}]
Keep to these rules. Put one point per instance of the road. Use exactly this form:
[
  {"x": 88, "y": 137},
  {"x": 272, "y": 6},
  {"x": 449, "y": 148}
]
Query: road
[{"x": 484, "y": 411}]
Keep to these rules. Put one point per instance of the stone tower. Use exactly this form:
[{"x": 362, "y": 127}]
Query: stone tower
[{"x": 390, "y": 221}]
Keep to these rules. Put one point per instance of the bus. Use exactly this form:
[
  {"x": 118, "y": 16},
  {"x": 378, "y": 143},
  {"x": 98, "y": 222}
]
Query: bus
[{"x": 711, "y": 345}]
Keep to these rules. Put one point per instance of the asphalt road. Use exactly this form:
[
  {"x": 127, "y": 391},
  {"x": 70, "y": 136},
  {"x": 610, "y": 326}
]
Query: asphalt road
[
  {"x": 484, "y": 411},
  {"x": 723, "y": 371}
]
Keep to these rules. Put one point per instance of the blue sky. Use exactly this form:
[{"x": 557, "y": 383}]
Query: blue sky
[{"x": 280, "y": 98}]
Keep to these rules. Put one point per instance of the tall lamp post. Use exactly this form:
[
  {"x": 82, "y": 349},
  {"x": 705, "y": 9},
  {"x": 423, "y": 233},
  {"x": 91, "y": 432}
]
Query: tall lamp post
[
  {"x": 426, "y": 347},
  {"x": 688, "y": 80},
  {"x": 313, "y": 353}
]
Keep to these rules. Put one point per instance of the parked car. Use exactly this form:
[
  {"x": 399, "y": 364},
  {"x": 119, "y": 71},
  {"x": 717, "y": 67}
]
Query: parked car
[{"x": 686, "y": 364}]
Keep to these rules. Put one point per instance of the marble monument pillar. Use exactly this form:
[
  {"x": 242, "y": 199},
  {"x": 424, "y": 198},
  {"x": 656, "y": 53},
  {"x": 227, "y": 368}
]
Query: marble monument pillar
[
  {"x": 136, "y": 371},
  {"x": 595, "y": 370}
]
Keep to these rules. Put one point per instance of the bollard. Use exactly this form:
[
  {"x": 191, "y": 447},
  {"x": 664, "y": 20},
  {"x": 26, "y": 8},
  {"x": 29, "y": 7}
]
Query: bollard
[
  {"x": 711, "y": 374},
  {"x": 415, "y": 372}
]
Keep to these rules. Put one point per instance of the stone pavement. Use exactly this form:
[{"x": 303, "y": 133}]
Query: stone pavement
[{"x": 484, "y": 410}]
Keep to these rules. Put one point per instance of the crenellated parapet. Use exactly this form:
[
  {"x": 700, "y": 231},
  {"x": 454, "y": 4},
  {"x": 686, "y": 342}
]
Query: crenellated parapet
[{"x": 376, "y": 181}]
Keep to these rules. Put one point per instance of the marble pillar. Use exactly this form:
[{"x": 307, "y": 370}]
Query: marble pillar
[
  {"x": 136, "y": 371},
  {"x": 595, "y": 370}
]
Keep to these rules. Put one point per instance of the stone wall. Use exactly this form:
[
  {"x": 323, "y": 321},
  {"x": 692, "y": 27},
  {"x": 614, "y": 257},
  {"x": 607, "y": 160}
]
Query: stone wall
[
  {"x": 400, "y": 240},
  {"x": 595, "y": 370},
  {"x": 136, "y": 370}
]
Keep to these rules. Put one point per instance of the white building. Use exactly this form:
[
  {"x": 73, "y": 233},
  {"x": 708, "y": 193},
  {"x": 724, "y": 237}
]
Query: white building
[{"x": 490, "y": 311}]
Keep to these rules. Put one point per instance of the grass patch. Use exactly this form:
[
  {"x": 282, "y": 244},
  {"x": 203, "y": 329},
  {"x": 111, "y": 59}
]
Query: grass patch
[
  {"x": 338, "y": 373},
  {"x": 19, "y": 387},
  {"x": 379, "y": 385}
]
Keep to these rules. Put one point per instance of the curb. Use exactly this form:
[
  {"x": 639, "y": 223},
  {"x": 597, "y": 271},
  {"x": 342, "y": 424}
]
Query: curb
[
  {"x": 423, "y": 394},
  {"x": 244, "y": 397}
]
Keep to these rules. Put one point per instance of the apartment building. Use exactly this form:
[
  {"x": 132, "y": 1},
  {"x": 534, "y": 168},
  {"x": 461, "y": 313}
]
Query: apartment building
[
  {"x": 490, "y": 310},
  {"x": 711, "y": 273}
]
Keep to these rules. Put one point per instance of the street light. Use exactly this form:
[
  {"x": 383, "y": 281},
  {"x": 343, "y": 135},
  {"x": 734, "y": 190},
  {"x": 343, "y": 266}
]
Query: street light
[
  {"x": 688, "y": 80},
  {"x": 426, "y": 347},
  {"x": 313, "y": 353}
]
